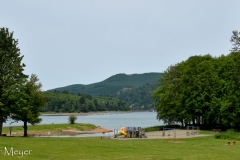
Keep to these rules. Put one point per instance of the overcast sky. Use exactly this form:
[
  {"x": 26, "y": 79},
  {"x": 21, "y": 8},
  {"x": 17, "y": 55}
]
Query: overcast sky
[{"x": 86, "y": 41}]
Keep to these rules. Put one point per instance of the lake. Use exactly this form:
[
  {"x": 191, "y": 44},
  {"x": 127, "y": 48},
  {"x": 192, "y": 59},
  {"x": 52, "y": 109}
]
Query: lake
[{"x": 109, "y": 120}]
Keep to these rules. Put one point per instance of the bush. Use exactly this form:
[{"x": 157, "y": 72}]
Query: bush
[
  {"x": 72, "y": 118},
  {"x": 230, "y": 135}
]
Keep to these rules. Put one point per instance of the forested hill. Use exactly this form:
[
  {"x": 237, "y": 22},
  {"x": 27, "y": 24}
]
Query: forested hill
[
  {"x": 68, "y": 102},
  {"x": 135, "y": 89},
  {"x": 113, "y": 84}
]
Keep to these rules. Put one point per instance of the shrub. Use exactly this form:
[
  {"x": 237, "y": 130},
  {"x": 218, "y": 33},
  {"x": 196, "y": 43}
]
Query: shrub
[
  {"x": 72, "y": 118},
  {"x": 230, "y": 134}
]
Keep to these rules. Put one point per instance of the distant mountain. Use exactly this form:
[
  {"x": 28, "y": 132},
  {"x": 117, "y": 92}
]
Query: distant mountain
[{"x": 136, "y": 89}]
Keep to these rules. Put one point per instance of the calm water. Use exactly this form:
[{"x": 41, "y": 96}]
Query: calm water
[{"x": 110, "y": 121}]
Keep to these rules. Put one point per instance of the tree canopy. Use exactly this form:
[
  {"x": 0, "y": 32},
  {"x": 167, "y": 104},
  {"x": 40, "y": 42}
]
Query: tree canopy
[{"x": 202, "y": 90}]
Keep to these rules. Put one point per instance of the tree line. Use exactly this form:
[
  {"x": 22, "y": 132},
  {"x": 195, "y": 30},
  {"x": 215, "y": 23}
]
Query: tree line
[
  {"x": 202, "y": 90},
  {"x": 69, "y": 102}
]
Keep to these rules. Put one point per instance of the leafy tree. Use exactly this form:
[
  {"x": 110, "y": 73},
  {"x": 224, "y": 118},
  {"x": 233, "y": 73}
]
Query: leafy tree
[
  {"x": 29, "y": 102},
  {"x": 235, "y": 39},
  {"x": 11, "y": 71},
  {"x": 168, "y": 97},
  {"x": 72, "y": 118},
  {"x": 197, "y": 86}
]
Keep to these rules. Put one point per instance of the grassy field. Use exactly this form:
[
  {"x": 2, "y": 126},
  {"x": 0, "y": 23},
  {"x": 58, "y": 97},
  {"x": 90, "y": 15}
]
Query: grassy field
[
  {"x": 75, "y": 148},
  {"x": 204, "y": 148}
]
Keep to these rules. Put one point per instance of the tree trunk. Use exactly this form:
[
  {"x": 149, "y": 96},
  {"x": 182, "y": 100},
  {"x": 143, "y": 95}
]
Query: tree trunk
[
  {"x": 1, "y": 121},
  {"x": 220, "y": 119},
  {"x": 193, "y": 121},
  {"x": 198, "y": 120},
  {"x": 182, "y": 122},
  {"x": 25, "y": 128},
  {"x": 1, "y": 125}
]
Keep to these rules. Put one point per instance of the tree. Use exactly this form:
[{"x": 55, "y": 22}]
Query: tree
[
  {"x": 230, "y": 105},
  {"x": 72, "y": 118},
  {"x": 235, "y": 39},
  {"x": 29, "y": 102},
  {"x": 168, "y": 97},
  {"x": 11, "y": 71}
]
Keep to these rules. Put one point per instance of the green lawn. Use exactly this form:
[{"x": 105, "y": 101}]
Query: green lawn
[{"x": 204, "y": 148}]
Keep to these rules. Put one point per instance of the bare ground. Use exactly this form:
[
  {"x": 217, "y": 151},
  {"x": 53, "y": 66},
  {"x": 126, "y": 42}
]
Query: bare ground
[
  {"x": 177, "y": 133},
  {"x": 62, "y": 133}
]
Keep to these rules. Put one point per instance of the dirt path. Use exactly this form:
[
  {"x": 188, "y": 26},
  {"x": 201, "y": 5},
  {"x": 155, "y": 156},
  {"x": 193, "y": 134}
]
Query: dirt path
[
  {"x": 97, "y": 130},
  {"x": 174, "y": 134}
]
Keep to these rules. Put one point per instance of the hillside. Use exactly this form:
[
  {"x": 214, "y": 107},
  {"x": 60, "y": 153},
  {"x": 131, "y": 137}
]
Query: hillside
[
  {"x": 135, "y": 89},
  {"x": 140, "y": 98},
  {"x": 112, "y": 85}
]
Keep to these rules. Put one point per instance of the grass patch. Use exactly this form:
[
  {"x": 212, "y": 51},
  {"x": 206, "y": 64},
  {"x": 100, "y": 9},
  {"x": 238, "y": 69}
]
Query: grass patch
[
  {"x": 230, "y": 134},
  {"x": 52, "y": 127},
  {"x": 201, "y": 148},
  {"x": 206, "y": 132}
]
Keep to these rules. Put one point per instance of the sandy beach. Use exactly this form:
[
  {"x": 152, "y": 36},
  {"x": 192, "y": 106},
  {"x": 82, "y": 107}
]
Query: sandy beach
[{"x": 63, "y": 132}]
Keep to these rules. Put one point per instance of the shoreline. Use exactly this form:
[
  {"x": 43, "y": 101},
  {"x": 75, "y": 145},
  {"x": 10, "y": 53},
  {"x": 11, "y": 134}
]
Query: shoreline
[{"x": 89, "y": 113}]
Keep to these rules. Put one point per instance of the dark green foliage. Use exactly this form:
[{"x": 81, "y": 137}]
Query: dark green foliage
[
  {"x": 67, "y": 102},
  {"x": 202, "y": 90},
  {"x": 140, "y": 98},
  {"x": 135, "y": 89},
  {"x": 11, "y": 72}
]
